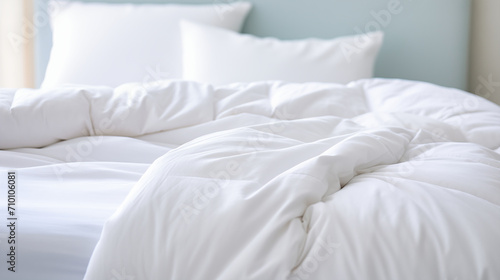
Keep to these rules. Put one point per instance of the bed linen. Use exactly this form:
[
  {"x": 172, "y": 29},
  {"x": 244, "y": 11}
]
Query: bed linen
[
  {"x": 378, "y": 179},
  {"x": 337, "y": 60},
  {"x": 64, "y": 199}
]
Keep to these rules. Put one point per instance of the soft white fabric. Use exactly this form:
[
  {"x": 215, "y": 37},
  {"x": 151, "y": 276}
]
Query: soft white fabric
[
  {"x": 111, "y": 44},
  {"x": 65, "y": 193},
  {"x": 39, "y": 117},
  {"x": 375, "y": 180},
  {"x": 218, "y": 56},
  {"x": 378, "y": 179}
]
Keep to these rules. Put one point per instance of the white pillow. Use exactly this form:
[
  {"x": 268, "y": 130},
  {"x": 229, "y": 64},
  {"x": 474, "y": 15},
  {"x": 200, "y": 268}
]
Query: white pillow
[
  {"x": 218, "y": 56},
  {"x": 111, "y": 44}
]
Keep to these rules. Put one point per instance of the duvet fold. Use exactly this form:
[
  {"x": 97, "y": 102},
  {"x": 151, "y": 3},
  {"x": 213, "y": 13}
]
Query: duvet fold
[
  {"x": 377, "y": 179},
  {"x": 251, "y": 204},
  {"x": 40, "y": 117}
]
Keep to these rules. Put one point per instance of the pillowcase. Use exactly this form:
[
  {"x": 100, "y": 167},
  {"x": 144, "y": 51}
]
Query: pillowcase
[
  {"x": 218, "y": 56},
  {"x": 111, "y": 44}
]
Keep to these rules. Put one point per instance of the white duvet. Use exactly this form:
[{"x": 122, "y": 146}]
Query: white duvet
[{"x": 379, "y": 179}]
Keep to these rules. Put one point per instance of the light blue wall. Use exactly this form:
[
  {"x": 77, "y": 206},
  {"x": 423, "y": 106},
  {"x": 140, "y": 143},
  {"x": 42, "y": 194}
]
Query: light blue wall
[{"x": 428, "y": 40}]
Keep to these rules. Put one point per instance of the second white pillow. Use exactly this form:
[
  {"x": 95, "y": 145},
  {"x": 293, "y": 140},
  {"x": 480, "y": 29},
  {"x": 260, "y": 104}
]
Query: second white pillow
[{"x": 217, "y": 56}]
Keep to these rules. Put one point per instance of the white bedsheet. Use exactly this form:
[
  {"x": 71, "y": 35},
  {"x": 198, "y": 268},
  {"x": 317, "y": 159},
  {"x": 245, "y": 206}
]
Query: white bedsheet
[
  {"x": 380, "y": 179},
  {"x": 62, "y": 206}
]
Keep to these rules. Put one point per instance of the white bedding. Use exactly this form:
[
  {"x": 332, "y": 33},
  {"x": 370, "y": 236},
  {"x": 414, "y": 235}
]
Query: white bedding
[
  {"x": 379, "y": 179},
  {"x": 62, "y": 207}
]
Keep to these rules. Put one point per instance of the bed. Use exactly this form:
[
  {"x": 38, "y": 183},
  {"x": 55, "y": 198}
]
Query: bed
[{"x": 385, "y": 169}]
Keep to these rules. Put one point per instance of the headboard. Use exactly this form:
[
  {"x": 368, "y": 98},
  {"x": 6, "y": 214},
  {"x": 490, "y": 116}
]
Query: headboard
[{"x": 425, "y": 40}]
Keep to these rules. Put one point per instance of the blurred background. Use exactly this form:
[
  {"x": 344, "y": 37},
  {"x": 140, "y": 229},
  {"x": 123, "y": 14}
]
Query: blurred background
[{"x": 18, "y": 31}]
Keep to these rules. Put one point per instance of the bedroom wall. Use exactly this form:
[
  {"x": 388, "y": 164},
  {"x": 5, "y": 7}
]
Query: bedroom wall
[{"x": 484, "y": 74}]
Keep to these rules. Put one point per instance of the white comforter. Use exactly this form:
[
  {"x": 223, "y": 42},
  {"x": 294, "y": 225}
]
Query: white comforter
[{"x": 379, "y": 179}]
